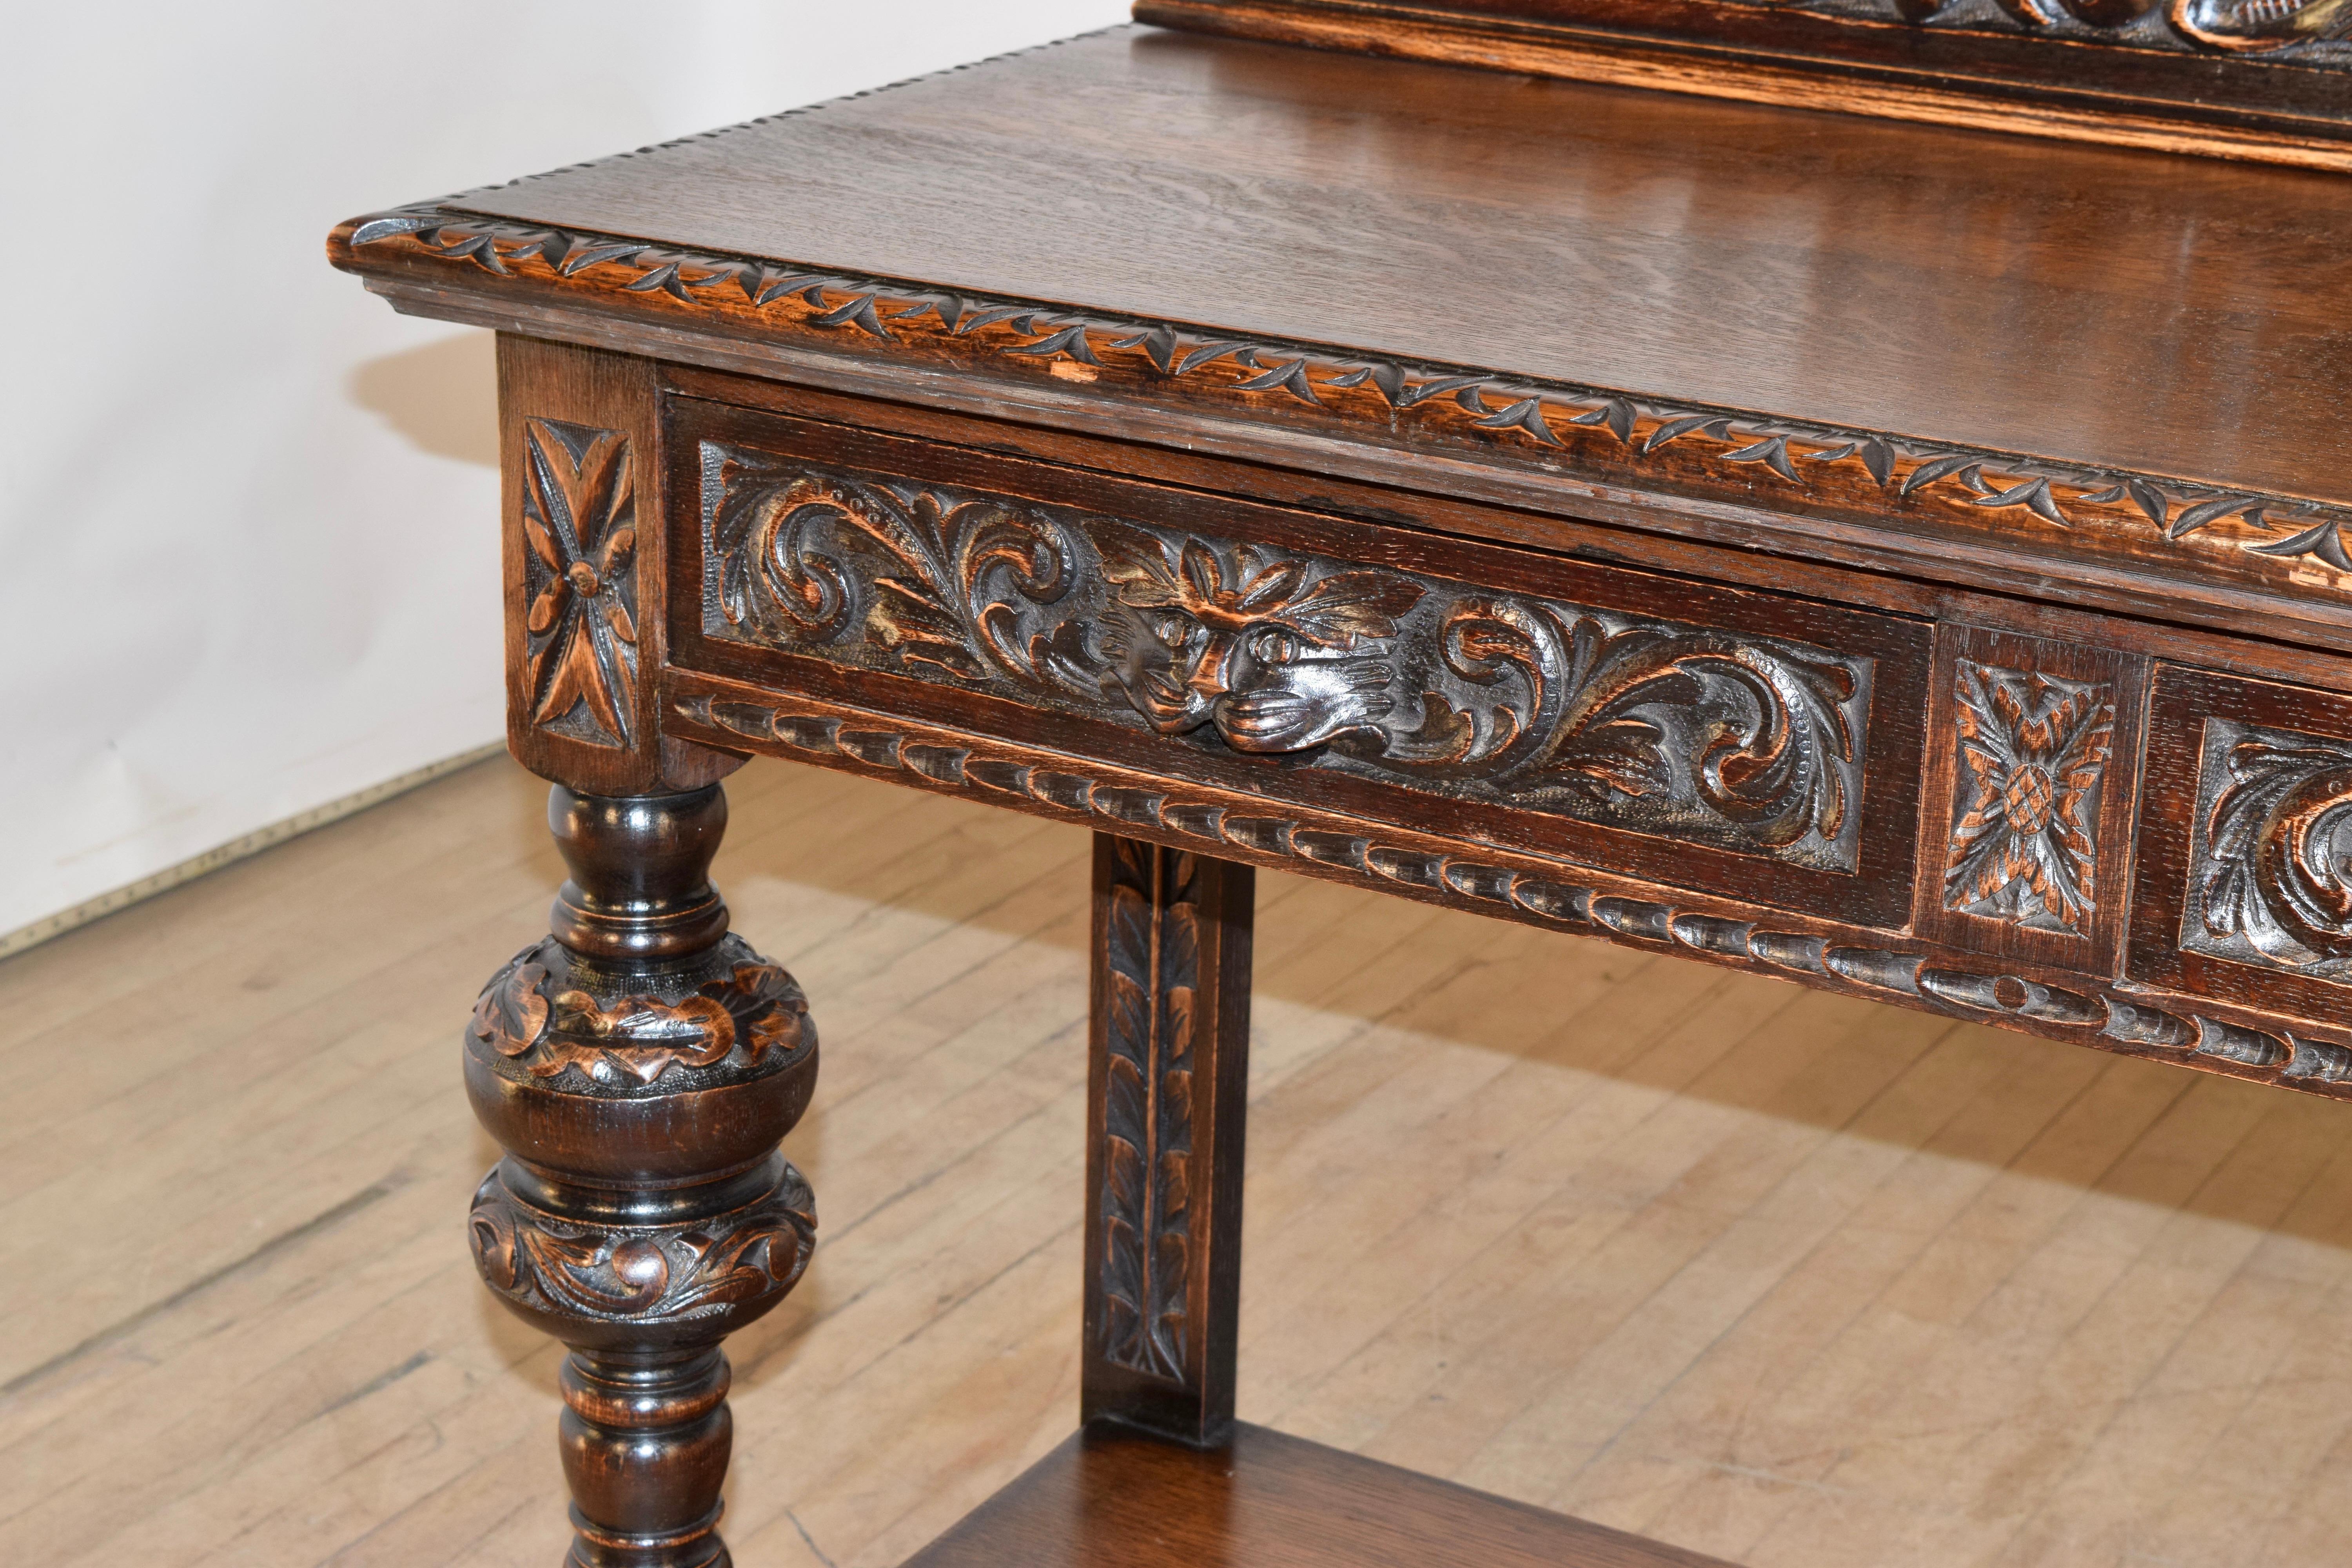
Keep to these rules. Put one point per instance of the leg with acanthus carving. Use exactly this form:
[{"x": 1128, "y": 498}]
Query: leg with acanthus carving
[{"x": 640, "y": 1068}]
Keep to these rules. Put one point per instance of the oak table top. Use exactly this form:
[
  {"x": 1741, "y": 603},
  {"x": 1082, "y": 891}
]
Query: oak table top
[{"x": 2101, "y": 305}]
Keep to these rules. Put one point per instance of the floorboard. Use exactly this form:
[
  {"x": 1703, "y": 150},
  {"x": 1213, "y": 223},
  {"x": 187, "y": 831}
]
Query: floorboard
[{"x": 1784, "y": 1279}]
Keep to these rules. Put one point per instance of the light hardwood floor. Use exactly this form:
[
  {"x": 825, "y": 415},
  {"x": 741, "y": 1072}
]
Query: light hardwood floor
[{"x": 1790, "y": 1279}]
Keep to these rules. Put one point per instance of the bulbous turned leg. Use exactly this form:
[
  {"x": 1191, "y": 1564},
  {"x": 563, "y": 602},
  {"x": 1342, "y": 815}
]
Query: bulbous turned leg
[{"x": 640, "y": 1068}]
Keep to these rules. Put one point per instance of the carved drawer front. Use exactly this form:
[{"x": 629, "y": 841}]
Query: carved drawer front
[
  {"x": 1711, "y": 738},
  {"x": 2244, "y": 890}
]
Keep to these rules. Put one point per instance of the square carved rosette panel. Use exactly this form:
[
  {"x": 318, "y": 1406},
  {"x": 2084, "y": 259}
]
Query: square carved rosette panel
[
  {"x": 2027, "y": 800},
  {"x": 2245, "y": 881},
  {"x": 1697, "y": 736}
]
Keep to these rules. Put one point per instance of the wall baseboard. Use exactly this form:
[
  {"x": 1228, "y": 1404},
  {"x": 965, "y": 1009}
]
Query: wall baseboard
[{"x": 236, "y": 850}]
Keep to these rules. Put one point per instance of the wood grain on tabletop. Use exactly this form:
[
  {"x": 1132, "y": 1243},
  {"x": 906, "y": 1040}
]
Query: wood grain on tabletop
[
  {"x": 2104, "y": 305},
  {"x": 1776, "y": 1276}
]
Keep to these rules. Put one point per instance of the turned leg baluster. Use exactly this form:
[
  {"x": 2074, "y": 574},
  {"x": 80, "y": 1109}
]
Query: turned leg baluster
[{"x": 640, "y": 1068}]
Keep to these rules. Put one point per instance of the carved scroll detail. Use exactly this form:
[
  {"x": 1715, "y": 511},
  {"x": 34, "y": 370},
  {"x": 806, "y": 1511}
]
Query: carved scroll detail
[
  {"x": 2024, "y": 835},
  {"x": 2303, "y": 28},
  {"x": 1744, "y": 742},
  {"x": 579, "y": 519},
  {"x": 1152, "y": 968},
  {"x": 753, "y": 1255},
  {"x": 2275, "y": 870},
  {"x": 537, "y": 1013}
]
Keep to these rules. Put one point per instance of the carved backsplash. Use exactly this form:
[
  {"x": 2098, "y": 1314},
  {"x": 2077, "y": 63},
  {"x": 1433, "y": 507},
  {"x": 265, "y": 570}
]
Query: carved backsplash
[
  {"x": 2307, "y": 31},
  {"x": 1737, "y": 741}
]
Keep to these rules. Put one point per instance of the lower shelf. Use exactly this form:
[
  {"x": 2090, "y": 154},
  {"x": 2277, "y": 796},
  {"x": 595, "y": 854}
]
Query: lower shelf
[{"x": 1113, "y": 1497}]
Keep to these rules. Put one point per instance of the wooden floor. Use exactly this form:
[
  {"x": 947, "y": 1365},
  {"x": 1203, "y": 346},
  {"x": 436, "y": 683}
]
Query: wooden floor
[{"x": 1786, "y": 1279}]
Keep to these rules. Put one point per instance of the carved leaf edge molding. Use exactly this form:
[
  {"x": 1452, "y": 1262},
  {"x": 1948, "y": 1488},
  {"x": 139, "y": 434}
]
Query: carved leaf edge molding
[
  {"x": 1930, "y": 982},
  {"x": 1554, "y": 421}
]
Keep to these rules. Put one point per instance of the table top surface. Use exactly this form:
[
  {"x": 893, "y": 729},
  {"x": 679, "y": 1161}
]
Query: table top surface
[{"x": 2168, "y": 314}]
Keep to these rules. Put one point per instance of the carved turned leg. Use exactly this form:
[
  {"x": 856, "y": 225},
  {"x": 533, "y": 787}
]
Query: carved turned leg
[
  {"x": 640, "y": 1068},
  {"x": 1168, "y": 1081}
]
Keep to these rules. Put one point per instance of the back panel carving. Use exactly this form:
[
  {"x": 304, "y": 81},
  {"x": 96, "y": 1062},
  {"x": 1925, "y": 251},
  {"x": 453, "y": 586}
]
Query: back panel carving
[
  {"x": 2307, "y": 31},
  {"x": 2242, "y": 78},
  {"x": 1742, "y": 742}
]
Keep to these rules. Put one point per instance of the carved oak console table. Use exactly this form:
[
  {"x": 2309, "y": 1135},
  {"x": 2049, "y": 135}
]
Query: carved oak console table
[{"x": 1905, "y": 559}]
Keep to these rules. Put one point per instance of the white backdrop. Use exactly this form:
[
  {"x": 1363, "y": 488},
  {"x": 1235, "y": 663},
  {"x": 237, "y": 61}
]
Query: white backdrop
[{"x": 248, "y": 514}]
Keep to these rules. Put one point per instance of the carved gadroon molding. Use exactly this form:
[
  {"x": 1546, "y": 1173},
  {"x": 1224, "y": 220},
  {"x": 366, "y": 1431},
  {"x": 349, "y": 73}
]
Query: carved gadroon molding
[
  {"x": 2300, "y": 29},
  {"x": 539, "y": 1014},
  {"x": 733, "y": 1265},
  {"x": 2088, "y": 1013},
  {"x": 1559, "y": 426},
  {"x": 1742, "y": 742},
  {"x": 2026, "y": 814},
  {"x": 2271, "y": 857},
  {"x": 580, "y": 580},
  {"x": 1151, "y": 963}
]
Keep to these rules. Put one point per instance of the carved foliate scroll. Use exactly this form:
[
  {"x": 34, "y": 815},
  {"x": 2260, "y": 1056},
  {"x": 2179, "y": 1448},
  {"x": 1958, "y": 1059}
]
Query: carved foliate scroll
[
  {"x": 2307, "y": 30},
  {"x": 1726, "y": 739},
  {"x": 2033, "y": 752},
  {"x": 2271, "y": 862},
  {"x": 579, "y": 519},
  {"x": 1151, "y": 965}
]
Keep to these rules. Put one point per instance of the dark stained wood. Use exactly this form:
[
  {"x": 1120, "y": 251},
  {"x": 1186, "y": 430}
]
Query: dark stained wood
[
  {"x": 2305, "y": 1049},
  {"x": 2187, "y": 76},
  {"x": 2015, "y": 399},
  {"x": 1167, "y": 1092},
  {"x": 2108, "y": 307},
  {"x": 2242, "y": 894},
  {"x": 1114, "y": 1498},
  {"x": 2149, "y": 604},
  {"x": 640, "y": 1068},
  {"x": 2026, "y": 808},
  {"x": 1488, "y": 694},
  {"x": 584, "y": 573},
  {"x": 1899, "y": 559}
]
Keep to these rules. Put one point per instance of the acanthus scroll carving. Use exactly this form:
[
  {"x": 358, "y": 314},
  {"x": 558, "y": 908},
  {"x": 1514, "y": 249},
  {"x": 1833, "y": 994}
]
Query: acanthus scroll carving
[
  {"x": 2304, "y": 28},
  {"x": 2024, "y": 842},
  {"x": 537, "y": 1015},
  {"x": 1738, "y": 741},
  {"x": 753, "y": 1255},
  {"x": 2273, "y": 865},
  {"x": 579, "y": 521},
  {"x": 1153, "y": 963}
]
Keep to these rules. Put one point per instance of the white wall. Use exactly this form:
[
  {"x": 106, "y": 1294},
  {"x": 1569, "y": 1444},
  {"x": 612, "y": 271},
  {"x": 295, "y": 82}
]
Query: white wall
[{"x": 247, "y": 552}]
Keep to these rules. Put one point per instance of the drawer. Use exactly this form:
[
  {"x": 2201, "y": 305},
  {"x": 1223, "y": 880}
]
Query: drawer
[
  {"x": 2244, "y": 889},
  {"x": 1758, "y": 745}
]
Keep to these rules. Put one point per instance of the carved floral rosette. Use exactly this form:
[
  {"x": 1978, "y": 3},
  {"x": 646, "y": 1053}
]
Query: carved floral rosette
[
  {"x": 1738, "y": 741},
  {"x": 728, "y": 1267},
  {"x": 547, "y": 1018}
]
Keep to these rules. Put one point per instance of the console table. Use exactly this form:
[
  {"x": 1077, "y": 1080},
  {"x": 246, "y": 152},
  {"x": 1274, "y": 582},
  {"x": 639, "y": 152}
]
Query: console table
[{"x": 1869, "y": 515}]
